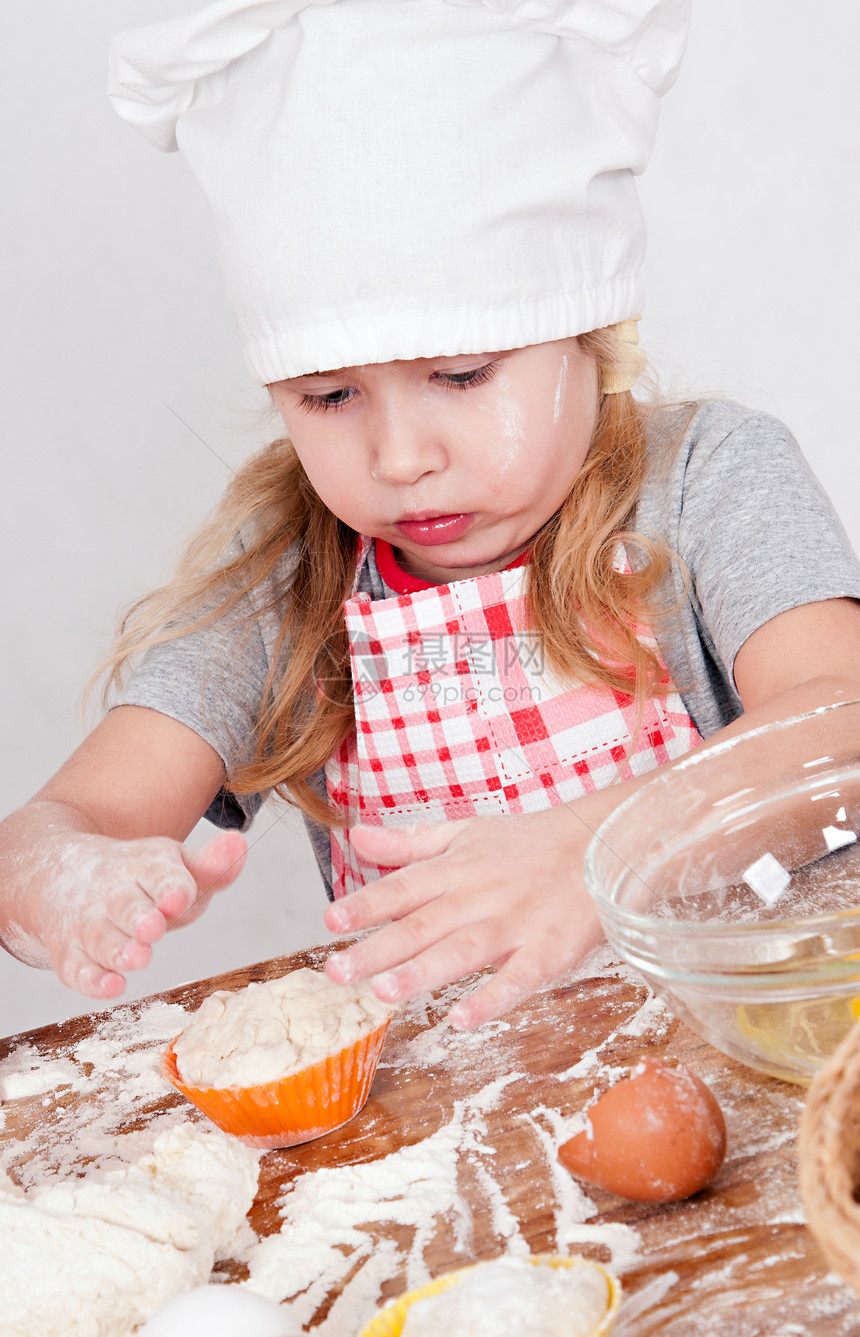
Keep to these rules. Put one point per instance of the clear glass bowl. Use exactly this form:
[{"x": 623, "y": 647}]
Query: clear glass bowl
[{"x": 732, "y": 883}]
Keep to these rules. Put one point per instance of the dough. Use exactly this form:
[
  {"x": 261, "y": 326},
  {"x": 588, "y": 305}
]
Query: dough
[
  {"x": 267, "y": 1031},
  {"x": 511, "y": 1297},
  {"x": 95, "y": 1257}
]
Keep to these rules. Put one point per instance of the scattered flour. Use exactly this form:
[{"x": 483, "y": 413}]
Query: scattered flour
[
  {"x": 574, "y": 1206},
  {"x": 334, "y": 1219},
  {"x": 267, "y": 1031},
  {"x": 327, "y": 1234},
  {"x": 336, "y": 1222},
  {"x": 651, "y": 1019},
  {"x": 437, "y": 1041},
  {"x": 647, "y": 1297},
  {"x": 27, "y": 1073},
  {"x": 95, "y": 1257},
  {"x": 83, "y": 1129}
]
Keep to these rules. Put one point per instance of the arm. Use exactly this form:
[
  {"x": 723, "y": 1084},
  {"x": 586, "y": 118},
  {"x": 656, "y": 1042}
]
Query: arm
[
  {"x": 509, "y": 891},
  {"x": 94, "y": 871}
]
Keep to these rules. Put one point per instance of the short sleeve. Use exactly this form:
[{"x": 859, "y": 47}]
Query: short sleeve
[
  {"x": 213, "y": 680},
  {"x": 758, "y": 536}
]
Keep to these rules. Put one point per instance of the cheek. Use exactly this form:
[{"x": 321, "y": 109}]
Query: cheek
[
  {"x": 498, "y": 441},
  {"x": 511, "y": 427},
  {"x": 557, "y": 460},
  {"x": 532, "y": 455},
  {"x": 339, "y": 478},
  {"x": 316, "y": 456},
  {"x": 330, "y": 477},
  {"x": 535, "y": 430}
]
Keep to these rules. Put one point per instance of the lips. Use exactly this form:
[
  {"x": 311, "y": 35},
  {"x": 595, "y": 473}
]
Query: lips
[{"x": 431, "y": 530}]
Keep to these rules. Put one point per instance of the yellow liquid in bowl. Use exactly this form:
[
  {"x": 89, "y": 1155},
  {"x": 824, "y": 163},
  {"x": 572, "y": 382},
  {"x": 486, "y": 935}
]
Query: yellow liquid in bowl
[{"x": 792, "y": 1040}]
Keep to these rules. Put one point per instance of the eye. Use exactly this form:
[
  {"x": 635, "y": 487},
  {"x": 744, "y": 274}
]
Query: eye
[
  {"x": 335, "y": 399},
  {"x": 467, "y": 380}
]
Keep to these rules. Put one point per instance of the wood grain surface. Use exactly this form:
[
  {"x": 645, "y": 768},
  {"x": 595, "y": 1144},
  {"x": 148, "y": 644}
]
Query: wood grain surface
[{"x": 736, "y": 1260}]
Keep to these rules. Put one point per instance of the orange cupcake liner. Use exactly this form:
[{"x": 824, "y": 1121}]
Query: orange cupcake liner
[{"x": 294, "y": 1109}]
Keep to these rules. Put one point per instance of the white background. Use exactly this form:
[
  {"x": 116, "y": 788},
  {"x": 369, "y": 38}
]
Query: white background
[{"x": 126, "y": 401}]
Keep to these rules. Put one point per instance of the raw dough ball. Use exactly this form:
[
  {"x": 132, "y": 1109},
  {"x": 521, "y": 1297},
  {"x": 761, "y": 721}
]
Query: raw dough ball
[
  {"x": 220, "y": 1311},
  {"x": 511, "y": 1297},
  {"x": 94, "y": 1257},
  {"x": 656, "y": 1136},
  {"x": 267, "y": 1031}
]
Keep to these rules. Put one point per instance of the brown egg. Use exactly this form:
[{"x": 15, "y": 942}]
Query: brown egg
[{"x": 656, "y": 1136}]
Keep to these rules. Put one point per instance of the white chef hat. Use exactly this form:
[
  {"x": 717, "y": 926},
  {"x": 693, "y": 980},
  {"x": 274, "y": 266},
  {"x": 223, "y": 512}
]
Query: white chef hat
[{"x": 411, "y": 178}]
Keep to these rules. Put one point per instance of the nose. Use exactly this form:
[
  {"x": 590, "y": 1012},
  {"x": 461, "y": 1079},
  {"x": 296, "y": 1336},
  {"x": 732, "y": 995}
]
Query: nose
[{"x": 404, "y": 445}]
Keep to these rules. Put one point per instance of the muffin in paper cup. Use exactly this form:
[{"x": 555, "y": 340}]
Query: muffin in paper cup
[
  {"x": 283, "y": 1061},
  {"x": 297, "y": 1108},
  {"x": 390, "y": 1320}
]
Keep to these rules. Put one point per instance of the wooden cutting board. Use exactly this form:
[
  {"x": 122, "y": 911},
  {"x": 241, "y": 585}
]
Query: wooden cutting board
[{"x": 735, "y": 1260}]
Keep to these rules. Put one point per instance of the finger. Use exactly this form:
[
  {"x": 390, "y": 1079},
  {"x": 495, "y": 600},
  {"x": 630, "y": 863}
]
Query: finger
[
  {"x": 79, "y": 972},
  {"x": 181, "y": 892},
  {"x": 219, "y": 863},
  {"x": 423, "y": 950},
  {"x": 405, "y": 937},
  {"x": 170, "y": 891},
  {"x": 110, "y": 948},
  {"x": 148, "y": 928},
  {"x": 391, "y": 897},
  {"x": 514, "y": 981},
  {"x": 134, "y": 955},
  {"x": 194, "y": 911},
  {"x": 394, "y": 846},
  {"x": 459, "y": 954},
  {"x": 519, "y": 976},
  {"x": 131, "y": 909}
]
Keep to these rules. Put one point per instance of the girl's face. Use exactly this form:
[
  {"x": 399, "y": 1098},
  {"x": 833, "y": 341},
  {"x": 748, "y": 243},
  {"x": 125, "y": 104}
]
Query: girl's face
[{"x": 456, "y": 461}]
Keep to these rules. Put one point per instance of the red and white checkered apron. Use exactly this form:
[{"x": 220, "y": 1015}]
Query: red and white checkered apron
[{"x": 456, "y": 715}]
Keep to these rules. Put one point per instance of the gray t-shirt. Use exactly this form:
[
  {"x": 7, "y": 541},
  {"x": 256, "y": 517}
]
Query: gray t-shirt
[{"x": 735, "y": 500}]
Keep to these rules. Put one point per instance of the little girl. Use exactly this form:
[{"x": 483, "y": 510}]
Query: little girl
[{"x": 478, "y": 592}]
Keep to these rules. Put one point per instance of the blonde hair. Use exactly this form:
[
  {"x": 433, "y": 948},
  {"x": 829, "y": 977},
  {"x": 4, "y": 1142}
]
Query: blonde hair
[{"x": 585, "y": 609}]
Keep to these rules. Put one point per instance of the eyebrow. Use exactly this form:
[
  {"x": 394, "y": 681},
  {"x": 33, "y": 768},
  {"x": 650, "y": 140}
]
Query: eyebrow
[
  {"x": 336, "y": 374},
  {"x": 359, "y": 368}
]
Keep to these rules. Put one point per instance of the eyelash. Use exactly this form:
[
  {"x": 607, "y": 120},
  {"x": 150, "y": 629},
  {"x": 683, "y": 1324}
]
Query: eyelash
[
  {"x": 325, "y": 403},
  {"x": 470, "y": 379},
  {"x": 451, "y": 380}
]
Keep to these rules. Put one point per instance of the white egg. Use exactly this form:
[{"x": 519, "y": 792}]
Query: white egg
[{"x": 219, "y": 1311}]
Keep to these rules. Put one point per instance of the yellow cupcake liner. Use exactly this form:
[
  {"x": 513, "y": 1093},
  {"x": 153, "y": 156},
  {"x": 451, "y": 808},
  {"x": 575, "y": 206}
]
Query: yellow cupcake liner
[
  {"x": 295, "y": 1109},
  {"x": 390, "y": 1320}
]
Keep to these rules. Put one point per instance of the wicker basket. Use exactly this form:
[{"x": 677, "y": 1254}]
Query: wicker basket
[{"x": 829, "y": 1147}]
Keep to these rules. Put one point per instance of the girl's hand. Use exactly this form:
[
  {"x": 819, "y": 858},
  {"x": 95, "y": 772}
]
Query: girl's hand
[
  {"x": 104, "y": 902},
  {"x": 505, "y": 892},
  {"x": 93, "y": 869},
  {"x": 509, "y": 891}
]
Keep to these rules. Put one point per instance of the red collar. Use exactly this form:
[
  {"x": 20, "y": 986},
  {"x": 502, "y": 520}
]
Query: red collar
[{"x": 402, "y": 582}]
